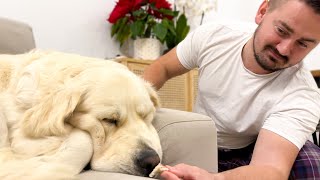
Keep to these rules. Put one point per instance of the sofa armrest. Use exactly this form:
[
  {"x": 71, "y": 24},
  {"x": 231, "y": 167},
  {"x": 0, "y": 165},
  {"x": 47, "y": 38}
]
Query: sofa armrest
[
  {"x": 16, "y": 37},
  {"x": 188, "y": 138}
]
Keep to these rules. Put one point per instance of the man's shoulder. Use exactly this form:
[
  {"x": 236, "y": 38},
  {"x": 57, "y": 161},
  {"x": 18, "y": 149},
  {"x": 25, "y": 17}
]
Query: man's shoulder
[
  {"x": 299, "y": 76},
  {"x": 231, "y": 26}
]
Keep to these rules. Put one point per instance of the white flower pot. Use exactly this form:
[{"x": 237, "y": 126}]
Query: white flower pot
[{"x": 147, "y": 48}]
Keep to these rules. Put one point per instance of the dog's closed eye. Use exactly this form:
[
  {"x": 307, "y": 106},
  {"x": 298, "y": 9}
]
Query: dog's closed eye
[{"x": 111, "y": 121}]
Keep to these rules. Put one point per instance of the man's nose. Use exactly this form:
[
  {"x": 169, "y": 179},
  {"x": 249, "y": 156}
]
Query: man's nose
[{"x": 285, "y": 47}]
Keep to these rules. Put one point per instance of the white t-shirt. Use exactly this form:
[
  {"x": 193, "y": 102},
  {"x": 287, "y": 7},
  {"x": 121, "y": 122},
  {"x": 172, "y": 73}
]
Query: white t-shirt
[{"x": 241, "y": 102}]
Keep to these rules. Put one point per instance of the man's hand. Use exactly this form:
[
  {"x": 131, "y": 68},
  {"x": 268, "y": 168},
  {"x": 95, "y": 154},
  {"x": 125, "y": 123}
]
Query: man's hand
[{"x": 186, "y": 172}]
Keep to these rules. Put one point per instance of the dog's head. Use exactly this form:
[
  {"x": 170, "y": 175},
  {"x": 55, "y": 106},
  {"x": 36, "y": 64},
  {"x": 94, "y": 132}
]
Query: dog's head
[{"x": 115, "y": 107}]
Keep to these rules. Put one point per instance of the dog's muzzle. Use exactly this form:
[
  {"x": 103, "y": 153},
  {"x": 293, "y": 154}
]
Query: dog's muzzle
[{"x": 146, "y": 161}]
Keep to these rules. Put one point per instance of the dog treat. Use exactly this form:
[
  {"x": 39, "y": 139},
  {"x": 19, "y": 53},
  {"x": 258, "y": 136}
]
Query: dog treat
[{"x": 158, "y": 170}]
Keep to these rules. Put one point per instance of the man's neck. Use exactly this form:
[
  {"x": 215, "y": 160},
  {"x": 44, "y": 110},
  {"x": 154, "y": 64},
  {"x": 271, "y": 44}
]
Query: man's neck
[{"x": 249, "y": 60}]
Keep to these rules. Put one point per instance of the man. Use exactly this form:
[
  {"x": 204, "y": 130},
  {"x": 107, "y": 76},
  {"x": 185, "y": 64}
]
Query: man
[{"x": 265, "y": 102}]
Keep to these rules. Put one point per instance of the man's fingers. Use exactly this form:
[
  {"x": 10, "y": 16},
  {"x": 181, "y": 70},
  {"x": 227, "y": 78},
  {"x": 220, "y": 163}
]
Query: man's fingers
[
  {"x": 168, "y": 175},
  {"x": 178, "y": 172},
  {"x": 182, "y": 171}
]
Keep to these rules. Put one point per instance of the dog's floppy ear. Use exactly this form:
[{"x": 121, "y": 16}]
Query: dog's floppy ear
[
  {"x": 48, "y": 117},
  {"x": 153, "y": 95}
]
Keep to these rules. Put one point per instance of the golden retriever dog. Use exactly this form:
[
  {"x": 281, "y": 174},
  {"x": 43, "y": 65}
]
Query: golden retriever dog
[{"x": 59, "y": 112}]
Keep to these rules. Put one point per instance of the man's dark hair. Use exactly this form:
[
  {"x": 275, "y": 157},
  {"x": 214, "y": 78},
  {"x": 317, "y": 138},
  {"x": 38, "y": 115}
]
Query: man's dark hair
[{"x": 314, "y": 4}]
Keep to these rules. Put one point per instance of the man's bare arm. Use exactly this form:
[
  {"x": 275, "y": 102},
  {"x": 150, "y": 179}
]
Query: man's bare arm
[
  {"x": 164, "y": 68},
  {"x": 272, "y": 158}
]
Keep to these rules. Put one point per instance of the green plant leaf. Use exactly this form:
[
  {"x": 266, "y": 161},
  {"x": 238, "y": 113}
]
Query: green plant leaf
[
  {"x": 168, "y": 12},
  {"x": 137, "y": 29},
  {"x": 160, "y": 31},
  {"x": 151, "y": 20},
  {"x": 114, "y": 29},
  {"x": 181, "y": 23},
  {"x": 182, "y": 28},
  {"x": 183, "y": 34},
  {"x": 150, "y": 23},
  {"x": 118, "y": 25},
  {"x": 123, "y": 30},
  {"x": 169, "y": 25},
  {"x": 139, "y": 14},
  {"x": 170, "y": 40},
  {"x": 176, "y": 13},
  {"x": 123, "y": 36}
]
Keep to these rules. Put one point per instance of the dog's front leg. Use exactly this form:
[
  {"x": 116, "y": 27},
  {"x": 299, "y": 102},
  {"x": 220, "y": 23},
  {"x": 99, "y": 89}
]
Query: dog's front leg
[
  {"x": 76, "y": 151},
  {"x": 70, "y": 158},
  {"x": 4, "y": 137}
]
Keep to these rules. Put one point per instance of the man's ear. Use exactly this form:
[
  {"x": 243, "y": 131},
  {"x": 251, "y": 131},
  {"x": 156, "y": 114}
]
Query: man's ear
[
  {"x": 153, "y": 95},
  {"x": 48, "y": 117},
  {"x": 261, "y": 12}
]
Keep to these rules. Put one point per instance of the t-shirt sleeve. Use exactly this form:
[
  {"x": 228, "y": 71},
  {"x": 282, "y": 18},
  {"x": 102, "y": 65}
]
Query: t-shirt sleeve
[
  {"x": 189, "y": 49},
  {"x": 296, "y": 115}
]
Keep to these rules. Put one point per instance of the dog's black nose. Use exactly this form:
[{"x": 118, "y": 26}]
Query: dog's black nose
[{"x": 147, "y": 160}]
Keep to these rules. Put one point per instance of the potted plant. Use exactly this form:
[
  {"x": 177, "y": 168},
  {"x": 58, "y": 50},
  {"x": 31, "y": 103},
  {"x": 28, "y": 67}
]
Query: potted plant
[{"x": 136, "y": 19}]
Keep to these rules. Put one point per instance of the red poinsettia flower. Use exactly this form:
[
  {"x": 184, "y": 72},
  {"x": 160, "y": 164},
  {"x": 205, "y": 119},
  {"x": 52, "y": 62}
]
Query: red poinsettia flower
[
  {"x": 159, "y": 4},
  {"x": 122, "y": 8}
]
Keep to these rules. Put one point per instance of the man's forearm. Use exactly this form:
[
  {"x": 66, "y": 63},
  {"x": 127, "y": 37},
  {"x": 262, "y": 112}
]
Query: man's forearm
[
  {"x": 155, "y": 75},
  {"x": 251, "y": 172}
]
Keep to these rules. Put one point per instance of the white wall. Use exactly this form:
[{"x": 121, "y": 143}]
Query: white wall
[
  {"x": 80, "y": 26},
  {"x": 243, "y": 10},
  {"x": 77, "y": 26}
]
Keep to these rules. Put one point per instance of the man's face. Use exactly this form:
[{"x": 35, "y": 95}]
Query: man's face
[{"x": 285, "y": 36}]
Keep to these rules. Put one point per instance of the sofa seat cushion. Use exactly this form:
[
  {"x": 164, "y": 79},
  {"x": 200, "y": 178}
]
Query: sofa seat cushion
[{"x": 96, "y": 175}]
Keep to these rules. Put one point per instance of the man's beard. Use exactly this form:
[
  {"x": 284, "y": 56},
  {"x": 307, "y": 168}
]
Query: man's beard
[{"x": 262, "y": 60}]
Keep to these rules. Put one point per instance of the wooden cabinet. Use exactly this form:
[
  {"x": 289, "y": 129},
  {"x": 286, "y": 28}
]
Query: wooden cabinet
[
  {"x": 316, "y": 76},
  {"x": 177, "y": 93}
]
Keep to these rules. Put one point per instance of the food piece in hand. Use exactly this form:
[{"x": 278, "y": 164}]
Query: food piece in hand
[{"x": 158, "y": 170}]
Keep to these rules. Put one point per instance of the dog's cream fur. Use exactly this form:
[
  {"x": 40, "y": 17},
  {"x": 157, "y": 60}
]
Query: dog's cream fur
[{"x": 60, "y": 111}]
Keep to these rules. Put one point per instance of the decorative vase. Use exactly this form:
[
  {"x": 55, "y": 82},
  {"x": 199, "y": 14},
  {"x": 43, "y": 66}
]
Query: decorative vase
[{"x": 147, "y": 48}]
